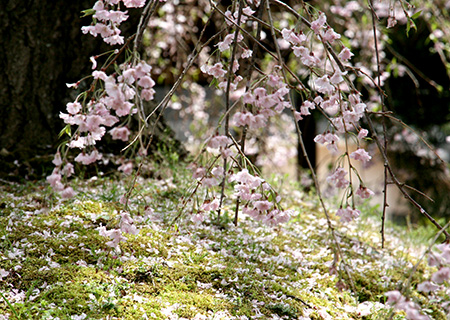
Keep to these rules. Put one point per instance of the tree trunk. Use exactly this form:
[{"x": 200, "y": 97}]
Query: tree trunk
[{"x": 43, "y": 48}]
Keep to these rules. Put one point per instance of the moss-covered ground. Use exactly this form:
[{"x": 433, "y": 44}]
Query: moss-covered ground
[{"x": 54, "y": 264}]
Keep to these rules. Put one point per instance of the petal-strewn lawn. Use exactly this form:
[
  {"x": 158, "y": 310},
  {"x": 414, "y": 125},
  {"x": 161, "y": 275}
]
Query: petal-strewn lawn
[{"x": 56, "y": 264}]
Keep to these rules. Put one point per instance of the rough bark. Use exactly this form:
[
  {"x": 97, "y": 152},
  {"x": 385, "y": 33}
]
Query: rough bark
[{"x": 42, "y": 49}]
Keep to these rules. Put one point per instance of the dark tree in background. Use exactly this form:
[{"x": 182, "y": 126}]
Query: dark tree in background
[
  {"x": 42, "y": 49},
  {"x": 422, "y": 100}
]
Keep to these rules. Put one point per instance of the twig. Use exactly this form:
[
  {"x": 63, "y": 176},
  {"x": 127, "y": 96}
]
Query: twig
[
  {"x": 143, "y": 22},
  {"x": 227, "y": 108},
  {"x": 414, "y": 268},
  {"x": 337, "y": 253},
  {"x": 299, "y": 299},
  {"x": 399, "y": 185},
  {"x": 377, "y": 54},
  {"x": 417, "y": 135}
]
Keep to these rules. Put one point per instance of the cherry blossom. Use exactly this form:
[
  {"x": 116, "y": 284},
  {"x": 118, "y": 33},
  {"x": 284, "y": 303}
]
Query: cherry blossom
[
  {"x": 364, "y": 192},
  {"x": 126, "y": 168},
  {"x": 88, "y": 158},
  {"x": 73, "y": 107},
  {"x": 211, "y": 205},
  {"x": 329, "y": 140},
  {"x": 68, "y": 193},
  {"x": 318, "y": 24},
  {"x": 219, "y": 142},
  {"x": 345, "y": 54},
  {"x": 427, "y": 286},
  {"x": 348, "y": 214},
  {"x": 323, "y": 85},
  {"x": 362, "y": 133},
  {"x": 361, "y": 155},
  {"x": 441, "y": 275},
  {"x": 120, "y": 133},
  {"x": 330, "y": 35},
  {"x": 339, "y": 178}
]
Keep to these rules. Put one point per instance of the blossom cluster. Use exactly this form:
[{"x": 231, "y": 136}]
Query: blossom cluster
[
  {"x": 400, "y": 302},
  {"x": 117, "y": 98},
  {"x": 342, "y": 105},
  {"x": 253, "y": 190},
  {"x": 107, "y": 20},
  {"x": 439, "y": 259},
  {"x": 265, "y": 103},
  {"x": 126, "y": 225}
]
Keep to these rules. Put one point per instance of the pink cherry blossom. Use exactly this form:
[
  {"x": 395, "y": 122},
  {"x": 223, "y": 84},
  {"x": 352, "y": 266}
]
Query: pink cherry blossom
[
  {"x": 263, "y": 205},
  {"x": 219, "y": 142},
  {"x": 217, "y": 172},
  {"x": 216, "y": 70},
  {"x": 441, "y": 275},
  {"x": 146, "y": 82},
  {"x": 362, "y": 133},
  {"x": 319, "y": 23},
  {"x": 293, "y": 38},
  {"x": 127, "y": 224},
  {"x": 68, "y": 193},
  {"x": 339, "y": 178},
  {"x": 126, "y": 168},
  {"x": 134, "y": 3},
  {"x": 364, "y": 192},
  {"x": 55, "y": 181},
  {"x": 73, "y": 107},
  {"x": 445, "y": 252},
  {"x": 246, "y": 178},
  {"x": 361, "y": 155},
  {"x": 337, "y": 77},
  {"x": 57, "y": 159},
  {"x": 394, "y": 297},
  {"x": 114, "y": 39},
  {"x": 248, "y": 11},
  {"x": 199, "y": 173},
  {"x": 120, "y": 133},
  {"x": 211, "y": 205},
  {"x": 116, "y": 237},
  {"x": 427, "y": 286},
  {"x": 323, "y": 85},
  {"x": 148, "y": 94},
  {"x": 68, "y": 170},
  {"x": 210, "y": 182},
  {"x": 225, "y": 44},
  {"x": 94, "y": 62},
  {"x": 300, "y": 51},
  {"x": 247, "y": 53},
  {"x": 348, "y": 214},
  {"x": 197, "y": 218},
  {"x": 306, "y": 106},
  {"x": 117, "y": 17},
  {"x": 99, "y": 75},
  {"x": 298, "y": 116},
  {"x": 330, "y": 35},
  {"x": 345, "y": 54},
  {"x": 329, "y": 140},
  {"x": 87, "y": 159},
  {"x": 310, "y": 60}
]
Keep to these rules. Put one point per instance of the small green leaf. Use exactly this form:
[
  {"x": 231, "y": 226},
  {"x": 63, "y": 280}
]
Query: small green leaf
[
  {"x": 416, "y": 15},
  {"x": 87, "y": 12},
  {"x": 410, "y": 25},
  {"x": 66, "y": 130}
]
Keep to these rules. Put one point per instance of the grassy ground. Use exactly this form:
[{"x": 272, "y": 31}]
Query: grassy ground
[{"x": 54, "y": 264}]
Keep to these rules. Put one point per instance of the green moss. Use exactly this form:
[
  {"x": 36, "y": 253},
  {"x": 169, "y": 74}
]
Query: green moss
[{"x": 188, "y": 270}]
